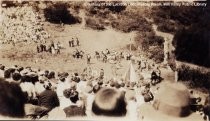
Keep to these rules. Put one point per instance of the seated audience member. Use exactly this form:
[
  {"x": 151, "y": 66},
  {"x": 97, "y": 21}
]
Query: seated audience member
[
  {"x": 47, "y": 101},
  {"x": 206, "y": 108},
  {"x": 27, "y": 87},
  {"x": 96, "y": 88},
  {"x": 65, "y": 101},
  {"x": 148, "y": 96},
  {"x": 81, "y": 85},
  {"x": 89, "y": 99},
  {"x": 51, "y": 75},
  {"x": 11, "y": 100},
  {"x": 172, "y": 103},
  {"x": 130, "y": 92},
  {"x": 74, "y": 96},
  {"x": 48, "y": 98},
  {"x": 76, "y": 108},
  {"x": 8, "y": 74},
  {"x": 109, "y": 102},
  {"x": 16, "y": 77},
  {"x": 112, "y": 84},
  {"x": 131, "y": 105},
  {"x": 19, "y": 69},
  {"x": 39, "y": 86},
  {"x": 46, "y": 73},
  {"x": 61, "y": 86},
  {"x": 196, "y": 105},
  {"x": 2, "y": 67}
]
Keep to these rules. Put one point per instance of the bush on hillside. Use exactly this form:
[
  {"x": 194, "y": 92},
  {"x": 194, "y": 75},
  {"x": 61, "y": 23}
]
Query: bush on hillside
[
  {"x": 156, "y": 53},
  {"x": 59, "y": 13},
  {"x": 182, "y": 16},
  {"x": 192, "y": 45},
  {"x": 195, "y": 77},
  {"x": 120, "y": 18},
  {"x": 167, "y": 26},
  {"x": 151, "y": 44},
  {"x": 94, "y": 24},
  {"x": 128, "y": 24}
]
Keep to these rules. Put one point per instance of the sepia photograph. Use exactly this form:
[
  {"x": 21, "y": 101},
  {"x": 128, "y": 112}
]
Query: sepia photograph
[{"x": 99, "y": 60}]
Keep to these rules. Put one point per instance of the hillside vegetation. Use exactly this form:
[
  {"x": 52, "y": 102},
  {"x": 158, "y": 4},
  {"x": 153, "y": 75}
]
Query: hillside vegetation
[{"x": 189, "y": 25}]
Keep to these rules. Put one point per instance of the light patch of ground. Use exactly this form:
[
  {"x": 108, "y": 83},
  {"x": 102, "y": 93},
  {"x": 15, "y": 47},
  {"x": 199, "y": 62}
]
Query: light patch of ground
[{"x": 90, "y": 40}]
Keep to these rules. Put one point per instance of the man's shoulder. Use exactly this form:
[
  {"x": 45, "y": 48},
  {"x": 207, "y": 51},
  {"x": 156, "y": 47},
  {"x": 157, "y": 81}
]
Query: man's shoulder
[{"x": 48, "y": 92}]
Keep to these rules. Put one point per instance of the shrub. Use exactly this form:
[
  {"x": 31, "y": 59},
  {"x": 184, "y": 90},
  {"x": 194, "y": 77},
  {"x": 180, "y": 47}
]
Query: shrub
[
  {"x": 156, "y": 53},
  {"x": 151, "y": 44},
  {"x": 192, "y": 45},
  {"x": 121, "y": 18},
  {"x": 196, "y": 78},
  {"x": 167, "y": 26},
  {"x": 57, "y": 13},
  {"x": 94, "y": 24}
]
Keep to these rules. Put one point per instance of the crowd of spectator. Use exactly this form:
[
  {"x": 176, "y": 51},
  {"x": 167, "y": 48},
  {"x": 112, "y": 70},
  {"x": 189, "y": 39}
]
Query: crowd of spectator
[
  {"x": 46, "y": 94},
  {"x": 21, "y": 24}
]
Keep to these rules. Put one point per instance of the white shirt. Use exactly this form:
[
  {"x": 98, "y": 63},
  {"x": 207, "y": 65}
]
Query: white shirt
[
  {"x": 81, "y": 86},
  {"x": 64, "y": 102},
  {"x": 132, "y": 110},
  {"x": 90, "y": 99},
  {"x": 29, "y": 88},
  {"x": 1, "y": 73},
  {"x": 60, "y": 88},
  {"x": 39, "y": 88}
]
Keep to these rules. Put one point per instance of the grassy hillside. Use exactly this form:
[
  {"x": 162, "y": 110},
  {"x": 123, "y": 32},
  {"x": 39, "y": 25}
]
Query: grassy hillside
[{"x": 127, "y": 19}]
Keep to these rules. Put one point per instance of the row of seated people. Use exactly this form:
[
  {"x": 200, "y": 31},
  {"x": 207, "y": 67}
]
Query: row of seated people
[{"x": 66, "y": 98}]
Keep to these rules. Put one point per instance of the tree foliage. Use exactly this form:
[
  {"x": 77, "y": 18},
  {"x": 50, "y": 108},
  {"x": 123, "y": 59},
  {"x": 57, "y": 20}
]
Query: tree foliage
[{"x": 59, "y": 13}]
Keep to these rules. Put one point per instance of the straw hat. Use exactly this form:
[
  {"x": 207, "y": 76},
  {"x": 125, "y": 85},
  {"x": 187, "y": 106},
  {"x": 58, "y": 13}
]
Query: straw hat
[{"x": 172, "y": 103}]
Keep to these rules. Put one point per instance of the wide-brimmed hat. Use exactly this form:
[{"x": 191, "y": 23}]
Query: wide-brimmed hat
[{"x": 172, "y": 103}]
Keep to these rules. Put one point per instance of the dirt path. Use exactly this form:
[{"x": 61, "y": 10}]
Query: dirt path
[
  {"x": 82, "y": 15},
  {"x": 168, "y": 47}
]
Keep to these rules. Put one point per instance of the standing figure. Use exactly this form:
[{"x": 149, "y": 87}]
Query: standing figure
[
  {"x": 104, "y": 58},
  {"x": 38, "y": 48},
  {"x": 88, "y": 58},
  {"x": 81, "y": 54},
  {"x": 107, "y": 51},
  {"x": 72, "y": 42},
  {"x": 101, "y": 76},
  {"x": 97, "y": 55},
  {"x": 77, "y": 40}
]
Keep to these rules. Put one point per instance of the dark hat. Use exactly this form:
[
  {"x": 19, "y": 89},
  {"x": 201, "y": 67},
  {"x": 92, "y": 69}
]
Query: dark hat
[
  {"x": 112, "y": 83},
  {"x": 100, "y": 82},
  {"x": 47, "y": 85},
  {"x": 2, "y": 67},
  {"x": 117, "y": 85},
  {"x": 96, "y": 88}
]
